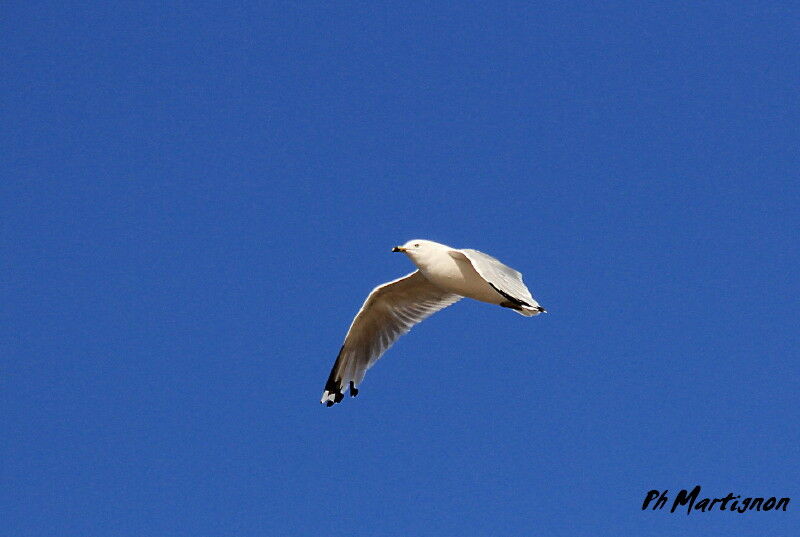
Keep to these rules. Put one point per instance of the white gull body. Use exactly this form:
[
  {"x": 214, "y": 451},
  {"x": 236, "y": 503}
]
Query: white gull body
[{"x": 444, "y": 276}]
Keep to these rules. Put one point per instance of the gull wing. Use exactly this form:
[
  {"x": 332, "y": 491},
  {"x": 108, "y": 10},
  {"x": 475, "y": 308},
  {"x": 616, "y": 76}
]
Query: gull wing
[
  {"x": 505, "y": 280},
  {"x": 389, "y": 312}
]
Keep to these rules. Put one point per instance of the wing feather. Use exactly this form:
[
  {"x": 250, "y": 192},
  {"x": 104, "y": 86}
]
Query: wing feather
[
  {"x": 502, "y": 277},
  {"x": 389, "y": 311}
]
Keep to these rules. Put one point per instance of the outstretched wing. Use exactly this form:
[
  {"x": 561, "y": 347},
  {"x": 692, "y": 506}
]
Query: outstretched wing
[
  {"x": 506, "y": 281},
  {"x": 389, "y": 312}
]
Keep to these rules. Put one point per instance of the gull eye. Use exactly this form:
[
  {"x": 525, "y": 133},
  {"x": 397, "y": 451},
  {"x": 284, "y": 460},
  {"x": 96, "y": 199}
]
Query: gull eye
[{"x": 416, "y": 246}]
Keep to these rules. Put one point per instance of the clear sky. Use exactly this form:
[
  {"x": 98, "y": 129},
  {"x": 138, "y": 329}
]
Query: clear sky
[{"x": 196, "y": 199}]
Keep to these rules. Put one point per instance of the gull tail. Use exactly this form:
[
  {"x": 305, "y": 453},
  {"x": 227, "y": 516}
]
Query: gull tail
[
  {"x": 524, "y": 309},
  {"x": 530, "y": 311}
]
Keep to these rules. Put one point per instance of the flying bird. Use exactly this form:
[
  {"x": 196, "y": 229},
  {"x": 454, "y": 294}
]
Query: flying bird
[{"x": 444, "y": 276}]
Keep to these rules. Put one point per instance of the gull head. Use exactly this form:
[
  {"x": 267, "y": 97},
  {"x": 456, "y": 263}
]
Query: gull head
[{"x": 420, "y": 249}]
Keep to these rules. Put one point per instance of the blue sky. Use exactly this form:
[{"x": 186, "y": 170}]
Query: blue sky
[{"x": 196, "y": 199}]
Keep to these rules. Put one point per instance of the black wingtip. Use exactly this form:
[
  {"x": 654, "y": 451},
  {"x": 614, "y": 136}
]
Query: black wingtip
[
  {"x": 513, "y": 300},
  {"x": 353, "y": 389},
  {"x": 333, "y": 386}
]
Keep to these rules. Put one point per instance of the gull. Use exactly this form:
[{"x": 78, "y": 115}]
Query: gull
[{"x": 444, "y": 276}]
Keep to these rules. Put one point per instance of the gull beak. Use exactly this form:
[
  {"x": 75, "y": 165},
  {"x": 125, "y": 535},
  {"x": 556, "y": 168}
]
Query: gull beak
[{"x": 398, "y": 249}]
